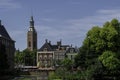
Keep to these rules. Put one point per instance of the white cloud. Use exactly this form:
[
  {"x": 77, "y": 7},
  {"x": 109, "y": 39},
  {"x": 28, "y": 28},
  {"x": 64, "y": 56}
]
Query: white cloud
[
  {"x": 112, "y": 11},
  {"x": 99, "y": 18},
  {"x": 76, "y": 29},
  {"x": 9, "y": 4},
  {"x": 71, "y": 31}
]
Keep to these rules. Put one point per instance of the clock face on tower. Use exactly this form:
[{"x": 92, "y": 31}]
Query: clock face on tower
[{"x": 30, "y": 29}]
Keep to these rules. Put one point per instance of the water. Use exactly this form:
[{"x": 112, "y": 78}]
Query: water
[
  {"x": 31, "y": 77},
  {"x": 36, "y": 76},
  {"x": 25, "y": 78}
]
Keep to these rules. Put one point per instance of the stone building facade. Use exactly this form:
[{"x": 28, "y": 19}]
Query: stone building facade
[{"x": 48, "y": 54}]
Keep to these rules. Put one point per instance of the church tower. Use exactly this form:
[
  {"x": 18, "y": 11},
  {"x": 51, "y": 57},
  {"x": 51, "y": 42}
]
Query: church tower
[{"x": 31, "y": 36}]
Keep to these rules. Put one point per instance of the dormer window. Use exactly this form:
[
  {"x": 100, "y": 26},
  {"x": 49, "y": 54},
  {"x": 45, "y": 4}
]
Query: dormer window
[
  {"x": 45, "y": 49},
  {"x": 71, "y": 50}
]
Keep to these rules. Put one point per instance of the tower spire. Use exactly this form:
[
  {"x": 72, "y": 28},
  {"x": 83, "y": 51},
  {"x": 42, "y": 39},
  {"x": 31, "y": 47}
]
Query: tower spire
[
  {"x": 31, "y": 22},
  {"x": 31, "y": 18}
]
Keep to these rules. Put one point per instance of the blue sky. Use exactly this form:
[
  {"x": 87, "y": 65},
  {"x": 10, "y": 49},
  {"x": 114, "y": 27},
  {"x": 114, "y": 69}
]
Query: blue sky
[{"x": 68, "y": 20}]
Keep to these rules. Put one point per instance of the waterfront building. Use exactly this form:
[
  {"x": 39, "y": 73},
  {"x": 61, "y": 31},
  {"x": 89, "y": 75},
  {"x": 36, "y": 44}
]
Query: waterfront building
[
  {"x": 9, "y": 44},
  {"x": 48, "y": 54}
]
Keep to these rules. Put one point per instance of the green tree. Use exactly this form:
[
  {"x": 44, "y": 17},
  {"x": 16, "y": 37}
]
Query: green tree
[
  {"x": 99, "y": 43},
  {"x": 53, "y": 76},
  {"x": 19, "y": 58},
  {"x": 29, "y": 57},
  {"x": 26, "y": 57},
  {"x": 110, "y": 60},
  {"x": 80, "y": 58},
  {"x": 67, "y": 63}
]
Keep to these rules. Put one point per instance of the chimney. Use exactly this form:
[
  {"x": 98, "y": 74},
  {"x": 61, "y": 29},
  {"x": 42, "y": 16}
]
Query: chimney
[
  {"x": 46, "y": 40},
  {"x": 59, "y": 43}
]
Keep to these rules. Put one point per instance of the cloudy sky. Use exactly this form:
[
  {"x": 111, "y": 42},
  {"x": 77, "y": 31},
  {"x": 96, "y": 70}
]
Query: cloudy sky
[{"x": 68, "y": 20}]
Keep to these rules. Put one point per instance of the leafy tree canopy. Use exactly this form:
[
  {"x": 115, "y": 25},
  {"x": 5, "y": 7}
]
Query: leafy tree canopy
[
  {"x": 26, "y": 57},
  {"x": 101, "y": 46},
  {"x": 110, "y": 60}
]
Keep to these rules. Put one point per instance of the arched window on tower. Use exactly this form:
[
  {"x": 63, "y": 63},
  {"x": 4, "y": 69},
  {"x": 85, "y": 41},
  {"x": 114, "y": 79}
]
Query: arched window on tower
[{"x": 29, "y": 44}]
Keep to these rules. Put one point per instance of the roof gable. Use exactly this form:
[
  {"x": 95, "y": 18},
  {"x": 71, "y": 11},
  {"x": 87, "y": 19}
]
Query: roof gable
[
  {"x": 49, "y": 47},
  {"x": 3, "y": 32},
  {"x": 46, "y": 46}
]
